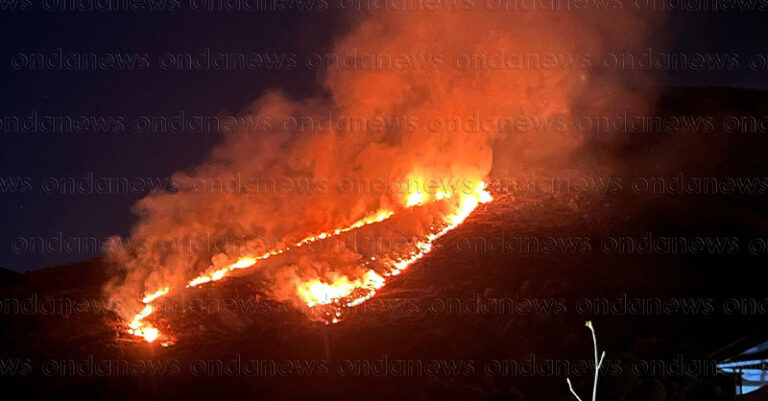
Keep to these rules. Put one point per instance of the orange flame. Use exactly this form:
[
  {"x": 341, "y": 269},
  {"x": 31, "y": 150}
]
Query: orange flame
[
  {"x": 139, "y": 328},
  {"x": 317, "y": 292},
  {"x": 157, "y": 294}
]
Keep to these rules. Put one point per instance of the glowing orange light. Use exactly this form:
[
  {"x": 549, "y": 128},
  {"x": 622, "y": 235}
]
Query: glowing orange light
[{"x": 337, "y": 289}]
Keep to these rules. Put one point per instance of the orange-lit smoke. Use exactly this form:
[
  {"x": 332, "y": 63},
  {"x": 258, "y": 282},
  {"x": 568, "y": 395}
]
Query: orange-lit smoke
[{"x": 424, "y": 150}]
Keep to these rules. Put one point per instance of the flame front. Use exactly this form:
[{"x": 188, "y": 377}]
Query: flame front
[
  {"x": 318, "y": 292},
  {"x": 157, "y": 294},
  {"x": 140, "y": 328},
  {"x": 340, "y": 290}
]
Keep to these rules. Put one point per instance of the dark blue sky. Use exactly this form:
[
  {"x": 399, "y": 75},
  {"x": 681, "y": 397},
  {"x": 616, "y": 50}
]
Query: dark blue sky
[{"x": 126, "y": 93}]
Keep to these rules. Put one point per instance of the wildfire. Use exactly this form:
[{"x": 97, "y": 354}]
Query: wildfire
[
  {"x": 337, "y": 290},
  {"x": 219, "y": 274},
  {"x": 248, "y": 261},
  {"x": 316, "y": 292},
  {"x": 350, "y": 148},
  {"x": 139, "y": 328},
  {"x": 157, "y": 294},
  {"x": 415, "y": 199}
]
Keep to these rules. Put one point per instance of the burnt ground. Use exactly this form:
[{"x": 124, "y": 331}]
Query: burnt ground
[{"x": 473, "y": 320}]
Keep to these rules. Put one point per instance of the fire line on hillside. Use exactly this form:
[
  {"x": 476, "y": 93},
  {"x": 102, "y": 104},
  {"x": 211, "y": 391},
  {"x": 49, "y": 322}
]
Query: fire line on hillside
[{"x": 341, "y": 292}]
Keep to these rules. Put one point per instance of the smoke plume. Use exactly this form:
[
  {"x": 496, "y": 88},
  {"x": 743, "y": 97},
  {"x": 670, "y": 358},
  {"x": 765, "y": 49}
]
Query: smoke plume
[{"x": 416, "y": 96}]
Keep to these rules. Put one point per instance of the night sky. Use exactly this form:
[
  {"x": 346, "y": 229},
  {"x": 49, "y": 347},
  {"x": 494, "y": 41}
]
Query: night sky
[{"x": 149, "y": 91}]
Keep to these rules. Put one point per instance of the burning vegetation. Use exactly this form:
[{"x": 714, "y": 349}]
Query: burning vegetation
[
  {"x": 331, "y": 288},
  {"x": 417, "y": 152}
]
